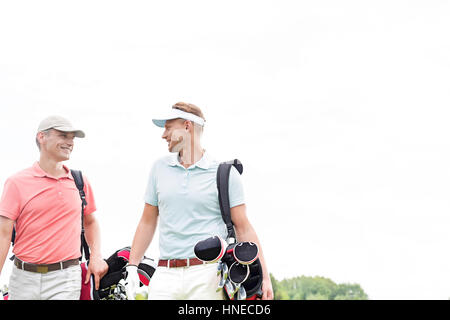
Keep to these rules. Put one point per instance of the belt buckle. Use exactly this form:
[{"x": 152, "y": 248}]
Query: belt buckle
[{"x": 41, "y": 269}]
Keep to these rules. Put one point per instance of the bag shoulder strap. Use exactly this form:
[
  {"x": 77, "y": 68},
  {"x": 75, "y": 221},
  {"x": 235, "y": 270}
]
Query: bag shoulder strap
[
  {"x": 223, "y": 177},
  {"x": 78, "y": 178},
  {"x": 79, "y": 182}
]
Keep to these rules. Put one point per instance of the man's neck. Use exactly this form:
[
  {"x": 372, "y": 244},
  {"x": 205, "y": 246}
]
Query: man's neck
[
  {"x": 52, "y": 167},
  {"x": 188, "y": 158}
]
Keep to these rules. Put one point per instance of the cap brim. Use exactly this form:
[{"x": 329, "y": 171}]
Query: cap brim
[
  {"x": 159, "y": 123},
  {"x": 78, "y": 133},
  {"x": 176, "y": 114},
  {"x": 162, "y": 122}
]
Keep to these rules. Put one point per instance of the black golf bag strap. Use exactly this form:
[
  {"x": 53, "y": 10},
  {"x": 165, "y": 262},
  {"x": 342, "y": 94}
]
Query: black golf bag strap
[
  {"x": 78, "y": 178},
  {"x": 223, "y": 177},
  {"x": 13, "y": 240}
]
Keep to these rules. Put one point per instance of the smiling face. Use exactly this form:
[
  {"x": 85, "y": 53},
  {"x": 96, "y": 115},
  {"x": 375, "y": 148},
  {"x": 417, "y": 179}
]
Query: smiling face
[
  {"x": 55, "y": 144},
  {"x": 174, "y": 133}
]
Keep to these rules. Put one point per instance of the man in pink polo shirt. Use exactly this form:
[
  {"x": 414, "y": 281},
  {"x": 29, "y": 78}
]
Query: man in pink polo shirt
[{"x": 45, "y": 206}]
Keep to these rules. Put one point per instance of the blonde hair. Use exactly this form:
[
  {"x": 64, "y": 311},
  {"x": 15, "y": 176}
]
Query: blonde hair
[{"x": 190, "y": 108}]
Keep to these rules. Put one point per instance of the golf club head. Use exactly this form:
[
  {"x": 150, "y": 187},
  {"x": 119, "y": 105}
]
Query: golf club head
[
  {"x": 230, "y": 289},
  {"x": 245, "y": 252},
  {"x": 225, "y": 271},
  {"x": 221, "y": 283},
  {"x": 219, "y": 268},
  {"x": 211, "y": 249},
  {"x": 236, "y": 290},
  {"x": 242, "y": 294},
  {"x": 146, "y": 269}
]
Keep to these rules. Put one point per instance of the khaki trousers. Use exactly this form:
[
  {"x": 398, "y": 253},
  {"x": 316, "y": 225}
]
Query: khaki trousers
[
  {"x": 62, "y": 284},
  {"x": 186, "y": 283}
]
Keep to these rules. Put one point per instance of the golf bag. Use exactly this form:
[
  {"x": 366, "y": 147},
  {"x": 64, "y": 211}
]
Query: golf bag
[
  {"x": 4, "y": 293},
  {"x": 253, "y": 282},
  {"x": 237, "y": 262},
  {"x": 112, "y": 285}
]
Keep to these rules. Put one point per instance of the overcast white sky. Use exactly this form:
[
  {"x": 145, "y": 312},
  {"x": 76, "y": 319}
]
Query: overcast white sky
[{"x": 338, "y": 110}]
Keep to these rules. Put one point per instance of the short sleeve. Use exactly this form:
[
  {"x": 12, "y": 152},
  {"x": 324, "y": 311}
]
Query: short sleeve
[
  {"x": 90, "y": 207},
  {"x": 151, "y": 196},
  {"x": 10, "y": 201},
  {"x": 235, "y": 188}
]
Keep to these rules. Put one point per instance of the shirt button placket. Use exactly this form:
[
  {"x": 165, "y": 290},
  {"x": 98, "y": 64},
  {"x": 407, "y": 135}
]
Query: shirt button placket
[
  {"x": 59, "y": 188},
  {"x": 185, "y": 181}
]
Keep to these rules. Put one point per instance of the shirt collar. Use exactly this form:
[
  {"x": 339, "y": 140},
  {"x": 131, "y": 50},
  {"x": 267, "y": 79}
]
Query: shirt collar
[
  {"x": 38, "y": 172},
  {"x": 203, "y": 163}
]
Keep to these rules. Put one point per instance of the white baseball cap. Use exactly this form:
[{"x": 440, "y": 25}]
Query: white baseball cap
[
  {"x": 175, "y": 114},
  {"x": 60, "y": 124}
]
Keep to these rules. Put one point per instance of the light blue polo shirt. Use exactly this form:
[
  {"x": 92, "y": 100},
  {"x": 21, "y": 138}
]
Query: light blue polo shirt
[{"x": 188, "y": 203}]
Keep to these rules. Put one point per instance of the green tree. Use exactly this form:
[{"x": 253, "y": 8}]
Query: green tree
[
  {"x": 350, "y": 292},
  {"x": 315, "y": 288}
]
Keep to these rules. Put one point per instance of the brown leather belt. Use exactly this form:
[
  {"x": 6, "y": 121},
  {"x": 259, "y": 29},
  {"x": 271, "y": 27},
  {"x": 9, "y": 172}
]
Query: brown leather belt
[
  {"x": 44, "y": 268},
  {"x": 178, "y": 263}
]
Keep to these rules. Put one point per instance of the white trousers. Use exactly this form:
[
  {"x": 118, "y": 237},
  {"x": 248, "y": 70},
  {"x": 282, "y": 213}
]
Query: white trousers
[
  {"x": 186, "y": 283},
  {"x": 62, "y": 284}
]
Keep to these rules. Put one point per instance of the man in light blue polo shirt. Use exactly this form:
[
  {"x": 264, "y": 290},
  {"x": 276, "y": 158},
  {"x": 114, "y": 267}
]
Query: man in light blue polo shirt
[
  {"x": 188, "y": 204},
  {"x": 182, "y": 193}
]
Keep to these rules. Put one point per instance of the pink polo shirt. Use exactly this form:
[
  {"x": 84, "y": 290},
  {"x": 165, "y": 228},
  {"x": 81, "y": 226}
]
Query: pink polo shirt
[{"x": 47, "y": 212}]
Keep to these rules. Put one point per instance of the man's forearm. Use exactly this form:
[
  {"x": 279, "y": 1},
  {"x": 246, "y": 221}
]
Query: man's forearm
[
  {"x": 92, "y": 234},
  {"x": 6, "y": 227},
  {"x": 4, "y": 248},
  {"x": 142, "y": 238},
  {"x": 144, "y": 233}
]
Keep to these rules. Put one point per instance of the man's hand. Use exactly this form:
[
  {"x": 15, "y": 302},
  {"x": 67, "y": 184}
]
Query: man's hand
[
  {"x": 132, "y": 282},
  {"x": 245, "y": 232},
  {"x": 98, "y": 268},
  {"x": 267, "y": 289}
]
